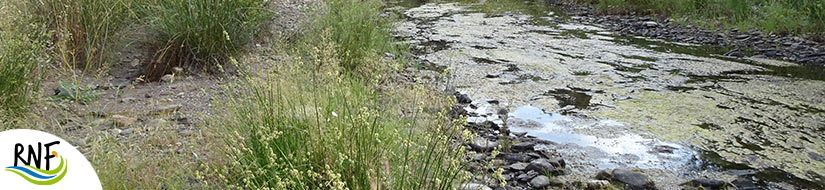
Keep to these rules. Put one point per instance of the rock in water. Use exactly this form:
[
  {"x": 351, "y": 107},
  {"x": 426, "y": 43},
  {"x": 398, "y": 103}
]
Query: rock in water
[
  {"x": 708, "y": 184},
  {"x": 630, "y": 179},
  {"x": 462, "y": 98}
]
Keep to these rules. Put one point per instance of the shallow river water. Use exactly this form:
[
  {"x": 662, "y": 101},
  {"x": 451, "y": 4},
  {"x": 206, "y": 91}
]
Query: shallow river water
[{"x": 676, "y": 111}]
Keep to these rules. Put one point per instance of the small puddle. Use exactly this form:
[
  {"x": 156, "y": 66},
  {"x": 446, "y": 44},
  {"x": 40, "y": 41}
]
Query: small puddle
[{"x": 622, "y": 149}]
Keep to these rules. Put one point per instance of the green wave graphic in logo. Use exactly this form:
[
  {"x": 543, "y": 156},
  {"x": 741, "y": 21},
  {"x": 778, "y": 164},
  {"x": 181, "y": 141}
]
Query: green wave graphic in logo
[{"x": 50, "y": 175}]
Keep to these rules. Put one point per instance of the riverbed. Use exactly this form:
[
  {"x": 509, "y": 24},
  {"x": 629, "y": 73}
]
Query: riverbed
[{"x": 675, "y": 111}]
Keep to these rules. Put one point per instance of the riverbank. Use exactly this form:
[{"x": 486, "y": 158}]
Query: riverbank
[{"x": 806, "y": 48}]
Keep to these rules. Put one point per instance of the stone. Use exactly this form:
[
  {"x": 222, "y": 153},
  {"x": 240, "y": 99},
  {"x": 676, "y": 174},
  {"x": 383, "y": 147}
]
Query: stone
[
  {"x": 557, "y": 162},
  {"x": 707, "y": 184},
  {"x": 462, "y": 98},
  {"x": 597, "y": 184},
  {"x": 483, "y": 145},
  {"x": 630, "y": 179},
  {"x": 516, "y": 157},
  {"x": 650, "y": 24},
  {"x": 518, "y": 166},
  {"x": 127, "y": 132},
  {"x": 478, "y": 157},
  {"x": 540, "y": 181},
  {"x": 525, "y": 177},
  {"x": 127, "y": 100},
  {"x": 542, "y": 166},
  {"x": 741, "y": 37},
  {"x": 123, "y": 121},
  {"x": 474, "y": 186},
  {"x": 167, "y": 78},
  {"x": 524, "y": 146}
]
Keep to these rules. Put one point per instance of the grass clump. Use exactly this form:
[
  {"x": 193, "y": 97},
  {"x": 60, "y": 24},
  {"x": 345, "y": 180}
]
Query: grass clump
[
  {"x": 318, "y": 123},
  {"x": 20, "y": 60},
  {"x": 83, "y": 29},
  {"x": 358, "y": 30},
  {"x": 779, "y": 16},
  {"x": 202, "y": 31},
  {"x": 302, "y": 129}
]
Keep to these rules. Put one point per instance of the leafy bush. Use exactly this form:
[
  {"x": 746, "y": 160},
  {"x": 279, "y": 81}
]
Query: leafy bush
[{"x": 202, "y": 31}]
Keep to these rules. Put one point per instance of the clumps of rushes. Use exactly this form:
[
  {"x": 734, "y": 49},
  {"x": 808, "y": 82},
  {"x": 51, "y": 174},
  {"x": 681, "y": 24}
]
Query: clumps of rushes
[
  {"x": 83, "y": 29},
  {"x": 360, "y": 32},
  {"x": 201, "y": 32},
  {"x": 21, "y": 50},
  {"x": 305, "y": 127}
]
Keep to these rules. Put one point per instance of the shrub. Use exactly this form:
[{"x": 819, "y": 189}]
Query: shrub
[{"x": 202, "y": 31}]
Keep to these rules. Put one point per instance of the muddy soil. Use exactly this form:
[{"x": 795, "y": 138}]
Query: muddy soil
[{"x": 674, "y": 111}]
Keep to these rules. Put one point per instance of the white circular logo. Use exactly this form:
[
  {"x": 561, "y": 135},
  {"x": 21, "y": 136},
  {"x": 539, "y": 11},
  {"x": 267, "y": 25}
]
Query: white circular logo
[{"x": 32, "y": 159}]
